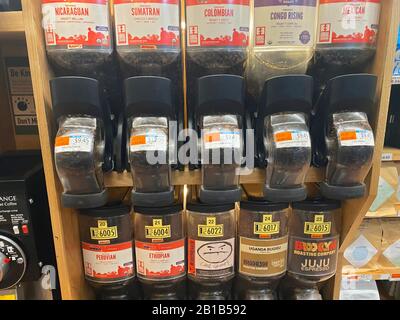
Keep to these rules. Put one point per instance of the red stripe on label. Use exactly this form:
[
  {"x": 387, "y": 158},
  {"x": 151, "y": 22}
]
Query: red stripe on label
[
  {"x": 160, "y": 246},
  {"x": 116, "y": 2},
  {"x": 347, "y": 1},
  {"x": 75, "y": 1},
  {"x": 221, "y": 2},
  {"x": 107, "y": 247}
]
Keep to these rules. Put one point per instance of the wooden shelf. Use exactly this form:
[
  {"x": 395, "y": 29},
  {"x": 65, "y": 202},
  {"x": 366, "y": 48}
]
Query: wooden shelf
[
  {"x": 390, "y": 154},
  {"x": 114, "y": 179},
  {"x": 392, "y": 274},
  {"x": 11, "y": 24}
]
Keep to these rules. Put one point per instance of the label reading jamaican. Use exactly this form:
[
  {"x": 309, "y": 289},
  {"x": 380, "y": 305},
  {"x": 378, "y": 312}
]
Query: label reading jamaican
[
  {"x": 267, "y": 227},
  {"x": 103, "y": 231},
  {"x": 313, "y": 257},
  {"x": 260, "y": 258},
  {"x": 317, "y": 228},
  {"x": 158, "y": 230},
  {"x": 211, "y": 229}
]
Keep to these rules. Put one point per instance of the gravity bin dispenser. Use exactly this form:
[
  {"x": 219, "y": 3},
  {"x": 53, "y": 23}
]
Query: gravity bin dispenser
[
  {"x": 83, "y": 147},
  {"x": 151, "y": 139},
  {"x": 283, "y": 138},
  {"x": 344, "y": 140},
  {"x": 219, "y": 117}
]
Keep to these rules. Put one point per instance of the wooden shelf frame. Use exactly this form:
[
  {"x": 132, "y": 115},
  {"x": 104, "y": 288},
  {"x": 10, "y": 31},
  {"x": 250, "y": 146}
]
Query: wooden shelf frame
[
  {"x": 64, "y": 221},
  {"x": 11, "y": 24}
]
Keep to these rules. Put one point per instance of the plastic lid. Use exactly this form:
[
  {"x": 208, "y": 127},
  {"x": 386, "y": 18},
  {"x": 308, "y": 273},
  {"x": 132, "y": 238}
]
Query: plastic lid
[
  {"x": 259, "y": 204},
  {"x": 317, "y": 205},
  {"x": 159, "y": 210},
  {"x": 209, "y": 208},
  {"x": 107, "y": 211}
]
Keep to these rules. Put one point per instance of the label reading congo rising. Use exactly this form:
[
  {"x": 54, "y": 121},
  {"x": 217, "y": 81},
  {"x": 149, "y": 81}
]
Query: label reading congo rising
[
  {"x": 267, "y": 227},
  {"x": 158, "y": 231},
  {"x": 211, "y": 229},
  {"x": 103, "y": 231},
  {"x": 317, "y": 228}
]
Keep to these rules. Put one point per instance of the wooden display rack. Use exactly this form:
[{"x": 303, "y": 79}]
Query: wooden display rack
[{"x": 64, "y": 221}]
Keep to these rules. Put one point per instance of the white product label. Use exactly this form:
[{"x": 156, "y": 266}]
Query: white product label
[
  {"x": 160, "y": 260},
  {"x": 76, "y": 23},
  {"x": 360, "y": 252},
  {"x": 152, "y": 140},
  {"x": 211, "y": 259},
  {"x": 108, "y": 261},
  {"x": 79, "y": 142},
  {"x": 221, "y": 139},
  {"x": 284, "y": 23},
  {"x": 292, "y": 138},
  {"x": 357, "y": 137},
  {"x": 387, "y": 157},
  {"x": 392, "y": 253},
  {"x": 222, "y": 23},
  {"x": 147, "y": 23},
  {"x": 343, "y": 21}
]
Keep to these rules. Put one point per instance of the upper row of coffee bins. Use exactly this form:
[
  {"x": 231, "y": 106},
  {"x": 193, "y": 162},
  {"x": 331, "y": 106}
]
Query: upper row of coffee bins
[{"x": 293, "y": 70}]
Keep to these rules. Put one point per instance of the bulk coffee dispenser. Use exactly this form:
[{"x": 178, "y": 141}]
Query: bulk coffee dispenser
[
  {"x": 151, "y": 139},
  {"x": 219, "y": 118},
  {"x": 284, "y": 143},
  {"x": 83, "y": 146},
  {"x": 343, "y": 137}
]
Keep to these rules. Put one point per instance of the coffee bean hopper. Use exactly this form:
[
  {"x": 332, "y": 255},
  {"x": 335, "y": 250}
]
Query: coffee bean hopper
[
  {"x": 219, "y": 114},
  {"x": 343, "y": 137},
  {"x": 83, "y": 147},
  {"x": 283, "y": 138},
  {"x": 151, "y": 139}
]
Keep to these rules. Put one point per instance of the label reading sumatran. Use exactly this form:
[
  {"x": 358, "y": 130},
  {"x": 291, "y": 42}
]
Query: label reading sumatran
[
  {"x": 284, "y": 23},
  {"x": 103, "y": 231},
  {"x": 158, "y": 231},
  {"x": 147, "y": 23},
  {"x": 260, "y": 258},
  {"x": 211, "y": 229},
  {"x": 318, "y": 227},
  {"x": 76, "y": 24},
  {"x": 344, "y": 21},
  {"x": 267, "y": 227},
  {"x": 222, "y": 23}
]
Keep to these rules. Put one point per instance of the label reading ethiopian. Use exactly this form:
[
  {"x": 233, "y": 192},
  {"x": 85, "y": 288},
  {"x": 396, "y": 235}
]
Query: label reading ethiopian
[
  {"x": 147, "y": 23},
  {"x": 261, "y": 258},
  {"x": 76, "y": 24},
  {"x": 284, "y": 23},
  {"x": 222, "y": 23},
  {"x": 343, "y": 21}
]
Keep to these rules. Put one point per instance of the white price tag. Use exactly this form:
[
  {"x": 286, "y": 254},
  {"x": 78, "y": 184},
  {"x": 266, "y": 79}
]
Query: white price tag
[
  {"x": 74, "y": 143},
  {"x": 387, "y": 156}
]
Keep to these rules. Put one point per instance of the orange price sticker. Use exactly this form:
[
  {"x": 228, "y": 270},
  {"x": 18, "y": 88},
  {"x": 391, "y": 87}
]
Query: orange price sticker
[
  {"x": 212, "y": 137},
  {"x": 137, "y": 140},
  {"x": 348, "y": 135},
  {"x": 62, "y": 141},
  {"x": 283, "y": 136}
]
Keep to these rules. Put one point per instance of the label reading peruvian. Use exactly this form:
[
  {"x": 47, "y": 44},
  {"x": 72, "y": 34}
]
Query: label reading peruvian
[
  {"x": 358, "y": 137},
  {"x": 315, "y": 257},
  {"x": 161, "y": 260},
  {"x": 284, "y": 23},
  {"x": 221, "y": 139},
  {"x": 76, "y": 24},
  {"x": 147, "y": 23},
  {"x": 267, "y": 227},
  {"x": 79, "y": 142},
  {"x": 319, "y": 227},
  {"x": 158, "y": 230},
  {"x": 211, "y": 259},
  {"x": 292, "y": 138},
  {"x": 260, "y": 258},
  {"x": 343, "y": 21},
  {"x": 152, "y": 140},
  {"x": 211, "y": 229},
  {"x": 112, "y": 261},
  {"x": 103, "y": 231},
  {"x": 222, "y": 23}
]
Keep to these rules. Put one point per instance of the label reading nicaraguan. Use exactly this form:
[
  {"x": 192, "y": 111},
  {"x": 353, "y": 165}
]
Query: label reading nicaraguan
[
  {"x": 222, "y": 23},
  {"x": 147, "y": 23},
  {"x": 284, "y": 23},
  {"x": 76, "y": 24},
  {"x": 343, "y": 21},
  {"x": 211, "y": 229},
  {"x": 158, "y": 231}
]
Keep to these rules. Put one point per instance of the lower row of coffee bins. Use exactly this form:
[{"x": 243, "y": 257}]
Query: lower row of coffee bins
[{"x": 262, "y": 251}]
